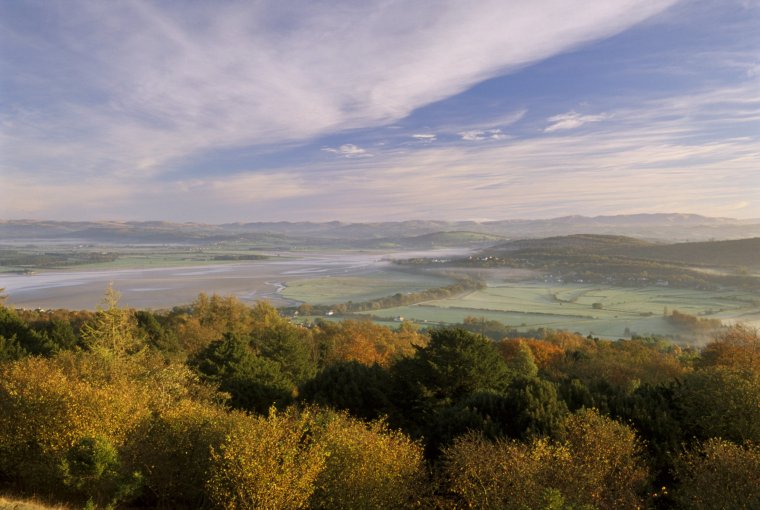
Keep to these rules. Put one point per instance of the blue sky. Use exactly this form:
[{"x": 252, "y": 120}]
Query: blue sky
[{"x": 378, "y": 110}]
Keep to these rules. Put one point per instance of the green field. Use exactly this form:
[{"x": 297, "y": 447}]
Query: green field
[
  {"x": 132, "y": 257},
  {"x": 341, "y": 289},
  {"x": 619, "y": 312}
]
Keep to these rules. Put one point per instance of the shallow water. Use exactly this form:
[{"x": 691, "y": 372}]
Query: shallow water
[{"x": 167, "y": 287}]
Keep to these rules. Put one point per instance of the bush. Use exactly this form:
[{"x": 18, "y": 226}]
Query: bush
[
  {"x": 502, "y": 475},
  {"x": 93, "y": 471},
  {"x": 172, "y": 450},
  {"x": 368, "y": 466},
  {"x": 607, "y": 468},
  {"x": 719, "y": 474},
  {"x": 720, "y": 402},
  {"x": 597, "y": 465},
  {"x": 266, "y": 463},
  {"x": 46, "y": 411}
]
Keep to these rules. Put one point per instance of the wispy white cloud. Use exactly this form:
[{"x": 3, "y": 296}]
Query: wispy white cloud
[
  {"x": 138, "y": 86},
  {"x": 135, "y": 90},
  {"x": 349, "y": 150},
  {"x": 650, "y": 157},
  {"x": 572, "y": 120},
  {"x": 488, "y": 127},
  {"x": 506, "y": 119},
  {"x": 476, "y": 135}
]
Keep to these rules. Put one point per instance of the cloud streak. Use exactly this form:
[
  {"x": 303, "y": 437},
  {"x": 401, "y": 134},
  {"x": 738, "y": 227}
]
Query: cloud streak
[
  {"x": 266, "y": 111},
  {"x": 349, "y": 150},
  {"x": 477, "y": 135},
  {"x": 572, "y": 120},
  {"x": 649, "y": 157},
  {"x": 138, "y": 86}
]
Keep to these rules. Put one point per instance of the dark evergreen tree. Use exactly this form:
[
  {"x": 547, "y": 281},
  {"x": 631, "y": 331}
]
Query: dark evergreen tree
[
  {"x": 285, "y": 345},
  {"x": 19, "y": 335},
  {"x": 359, "y": 389},
  {"x": 253, "y": 382}
]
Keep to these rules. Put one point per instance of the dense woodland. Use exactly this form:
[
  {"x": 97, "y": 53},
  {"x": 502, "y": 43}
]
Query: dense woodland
[{"x": 220, "y": 405}]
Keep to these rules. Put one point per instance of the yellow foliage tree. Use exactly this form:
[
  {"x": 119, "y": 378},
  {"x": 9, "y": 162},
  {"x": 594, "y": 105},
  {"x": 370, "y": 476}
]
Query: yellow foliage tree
[
  {"x": 113, "y": 330},
  {"x": 45, "y": 410},
  {"x": 266, "y": 463},
  {"x": 598, "y": 464},
  {"x": 737, "y": 348},
  {"x": 210, "y": 318},
  {"x": 719, "y": 474},
  {"x": 172, "y": 449},
  {"x": 368, "y": 466}
]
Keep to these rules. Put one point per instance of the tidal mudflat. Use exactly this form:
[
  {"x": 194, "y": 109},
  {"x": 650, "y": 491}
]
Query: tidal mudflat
[{"x": 165, "y": 287}]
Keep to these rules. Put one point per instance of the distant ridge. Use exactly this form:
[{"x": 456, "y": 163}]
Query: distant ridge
[
  {"x": 656, "y": 227},
  {"x": 730, "y": 253}
]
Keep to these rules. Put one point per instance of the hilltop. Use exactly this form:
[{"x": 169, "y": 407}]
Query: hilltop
[{"x": 730, "y": 253}]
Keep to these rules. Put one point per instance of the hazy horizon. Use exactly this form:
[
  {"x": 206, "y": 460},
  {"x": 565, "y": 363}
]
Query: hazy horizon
[
  {"x": 217, "y": 113},
  {"x": 405, "y": 220}
]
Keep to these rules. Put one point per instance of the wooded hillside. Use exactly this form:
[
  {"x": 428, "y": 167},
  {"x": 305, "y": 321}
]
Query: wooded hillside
[{"x": 218, "y": 405}]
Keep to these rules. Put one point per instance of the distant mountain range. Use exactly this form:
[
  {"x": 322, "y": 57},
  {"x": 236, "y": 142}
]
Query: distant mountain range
[{"x": 403, "y": 234}]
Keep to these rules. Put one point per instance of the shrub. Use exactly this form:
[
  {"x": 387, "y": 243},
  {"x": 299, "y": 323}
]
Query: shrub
[
  {"x": 368, "y": 466},
  {"x": 499, "y": 475},
  {"x": 719, "y": 474},
  {"x": 720, "y": 402},
  {"x": 597, "y": 465},
  {"x": 266, "y": 463},
  {"x": 172, "y": 450},
  {"x": 92, "y": 470},
  {"x": 45, "y": 411},
  {"x": 607, "y": 468}
]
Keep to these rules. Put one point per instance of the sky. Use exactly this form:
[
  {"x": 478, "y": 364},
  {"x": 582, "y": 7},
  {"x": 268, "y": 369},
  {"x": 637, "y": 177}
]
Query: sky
[{"x": 365, "y": 111}]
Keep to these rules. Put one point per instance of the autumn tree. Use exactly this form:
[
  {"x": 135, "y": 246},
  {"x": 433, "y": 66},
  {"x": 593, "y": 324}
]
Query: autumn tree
[
  {"x": 519, "y": 358},
  {"x": 266, "y": 463},
  {"x": 719, "y": 474},
  {"x": 368, "y": 466},
  {"x": 172, "y": 449},
  {"x": 50, "y": 409},
  {"x": 596, "y": 463},
  {"x": 363, "y": 341},
  {"x": 113, "y": 330},
  {"x": 737, "y": 348},
  {"x": 210, "y": 318}
]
